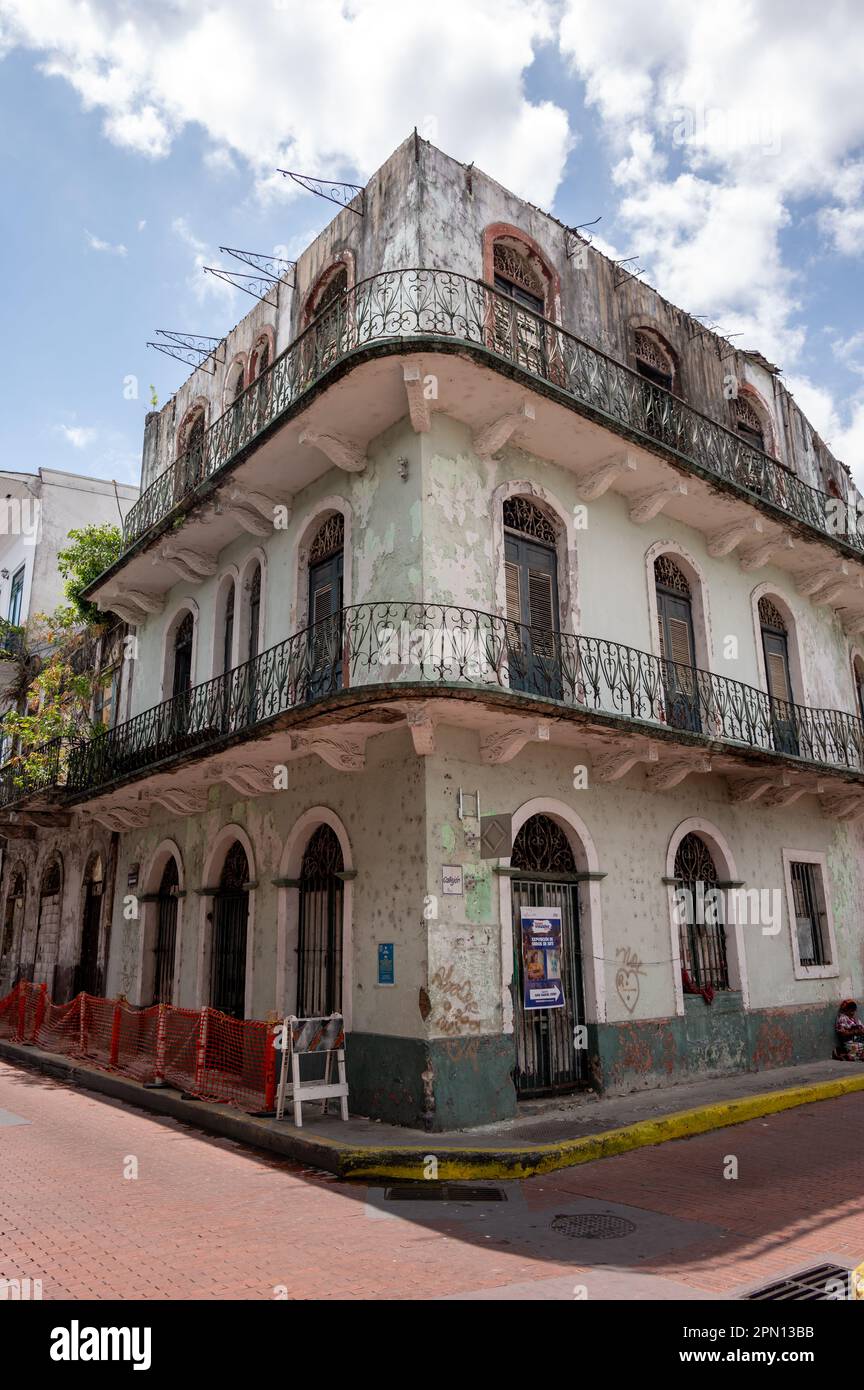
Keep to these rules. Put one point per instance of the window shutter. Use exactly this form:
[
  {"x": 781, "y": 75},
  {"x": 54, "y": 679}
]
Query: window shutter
[
  {"x": 323, "y": 602},
  {"x": 514, "y": 604},
  {"x": 778, "y": 680},
  {"x": 679, "y": 638},
  {"x": 540, "y": 599}
]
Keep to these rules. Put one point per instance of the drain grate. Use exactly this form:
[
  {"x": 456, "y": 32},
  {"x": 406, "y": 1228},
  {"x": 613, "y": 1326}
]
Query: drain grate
[
  {"x": 594, "y": 1226},
  {"x": 442, "y": 1192},
  {"x": 821, "y": 1284}
]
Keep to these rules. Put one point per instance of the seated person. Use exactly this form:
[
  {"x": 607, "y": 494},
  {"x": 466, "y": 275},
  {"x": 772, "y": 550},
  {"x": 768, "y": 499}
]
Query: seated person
[{"x": 850, "y": 1033}]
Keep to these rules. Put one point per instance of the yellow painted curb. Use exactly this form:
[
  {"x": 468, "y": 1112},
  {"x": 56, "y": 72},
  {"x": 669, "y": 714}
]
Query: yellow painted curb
[{"x": 502, "y": 1163}]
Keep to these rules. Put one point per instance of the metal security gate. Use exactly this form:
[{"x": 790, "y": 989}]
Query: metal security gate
[
  {"x": 166, "y": 935},
  {"x": 319, "y": 946},
  {"x": 547, "y": 1058},
  {"x": 228, "y": 968}
]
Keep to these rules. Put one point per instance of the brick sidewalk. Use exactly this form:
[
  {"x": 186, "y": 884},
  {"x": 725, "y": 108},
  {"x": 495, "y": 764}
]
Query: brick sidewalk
[{"x": 207, "y": 1219}]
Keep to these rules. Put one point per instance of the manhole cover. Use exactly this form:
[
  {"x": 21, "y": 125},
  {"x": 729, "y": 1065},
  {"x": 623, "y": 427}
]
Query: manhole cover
[
  {"x": 594, "y": 1226},
  {"x": 442, "y": 1192},
  {"x": 821, "y": 1284}
]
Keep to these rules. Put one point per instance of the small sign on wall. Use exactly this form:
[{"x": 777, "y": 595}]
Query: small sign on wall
[
  {"x": 132, "y": 875},
  {"x": 386, "y": 963},
  {"x": 452, "y": 881}
]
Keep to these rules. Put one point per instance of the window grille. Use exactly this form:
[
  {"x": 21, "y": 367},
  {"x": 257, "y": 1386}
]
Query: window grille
[
  {"x": 523, "y": 516},
  {"x": 329, "y": 538}
]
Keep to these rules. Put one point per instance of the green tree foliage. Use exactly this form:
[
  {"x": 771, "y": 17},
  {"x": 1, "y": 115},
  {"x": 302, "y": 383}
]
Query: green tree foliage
[{"x": 93, "y": 549}]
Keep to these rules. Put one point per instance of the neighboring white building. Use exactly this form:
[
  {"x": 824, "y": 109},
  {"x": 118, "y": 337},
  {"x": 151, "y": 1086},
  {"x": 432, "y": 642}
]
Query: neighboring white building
[
  {"x": 466, "y": 520},
  {"x": 37, "y": 512}
]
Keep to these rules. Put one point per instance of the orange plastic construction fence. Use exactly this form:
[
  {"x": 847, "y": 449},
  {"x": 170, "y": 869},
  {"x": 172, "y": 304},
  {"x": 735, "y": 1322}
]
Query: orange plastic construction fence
[{"x": 200, "y": 1051}]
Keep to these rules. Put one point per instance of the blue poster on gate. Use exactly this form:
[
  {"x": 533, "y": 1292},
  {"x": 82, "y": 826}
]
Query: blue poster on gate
[{"x": 541, "y": 958}]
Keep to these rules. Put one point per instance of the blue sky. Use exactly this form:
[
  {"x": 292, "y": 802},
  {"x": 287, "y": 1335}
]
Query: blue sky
[{"x": 726, "y": 148}]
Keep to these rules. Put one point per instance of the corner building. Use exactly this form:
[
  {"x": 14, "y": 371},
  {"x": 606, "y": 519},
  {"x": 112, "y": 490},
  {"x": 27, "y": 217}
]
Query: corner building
[{"x": 471, "y": 522}]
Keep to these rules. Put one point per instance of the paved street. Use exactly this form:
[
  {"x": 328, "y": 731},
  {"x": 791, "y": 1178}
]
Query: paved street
[{"x": 206, "y": 1219}]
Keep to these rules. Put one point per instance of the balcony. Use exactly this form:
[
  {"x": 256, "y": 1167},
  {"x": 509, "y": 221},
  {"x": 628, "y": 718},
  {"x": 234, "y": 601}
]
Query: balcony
[
  {"x": 440, "y": 310},
  {"x": 380, "y": 652}
]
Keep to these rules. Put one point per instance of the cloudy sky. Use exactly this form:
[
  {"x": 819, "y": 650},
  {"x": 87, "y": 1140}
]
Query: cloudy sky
[{"x": 721, "y": 143}]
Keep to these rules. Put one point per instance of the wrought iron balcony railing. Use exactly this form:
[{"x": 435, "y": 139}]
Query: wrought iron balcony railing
[
  {"x": 430, "y": 305},
  {"x": 443, "y": 647}
]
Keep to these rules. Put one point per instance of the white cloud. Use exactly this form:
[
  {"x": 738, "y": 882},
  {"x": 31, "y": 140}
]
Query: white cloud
[
  {"x": 721, "y": 120},
  {"x": 97, "y": 244},
  {"x": 328, "y": 88},
  {"x": 204, "y": 287},
  {"x": 79, "y": 436}
]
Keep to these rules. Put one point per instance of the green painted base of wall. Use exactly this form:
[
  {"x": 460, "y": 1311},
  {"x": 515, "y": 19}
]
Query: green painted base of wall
[
  {"x": 710, "y": 1040},
  {"x": 435, "y": 1085},
  {"x": 457, "y": 1083}
]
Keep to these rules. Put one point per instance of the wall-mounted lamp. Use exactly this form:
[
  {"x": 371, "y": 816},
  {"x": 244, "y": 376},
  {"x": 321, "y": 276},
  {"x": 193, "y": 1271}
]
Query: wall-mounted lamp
[{"x": 402, "y": 465}]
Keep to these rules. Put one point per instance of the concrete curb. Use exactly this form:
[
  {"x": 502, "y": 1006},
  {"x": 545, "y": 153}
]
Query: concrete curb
[{"x": 409, "y": 1162}]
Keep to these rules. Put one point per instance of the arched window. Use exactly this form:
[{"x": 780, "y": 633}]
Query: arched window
[
  {"x": 775, "y": 650},
  {"x": 329, "y": 289},
  {"x": 319, "y": 949},
  {"x": 230, "y": 921},
  {"x": 531, "y": 587},
  {"x": 749, "y": 423},
  {"x": 858, "y": 672},
  {"x": 166, "y": 933},
  {"x": 48, "y": 925},
  {"x": 254, "y": 632},
  {"x": 13, "y": 920},
  {"x": 260, "y": 359},
  {"x": 91, "y": 925},
  {"x": 677, "y": 644},
  {"x": 326, "y": 561},
  {"x": 654, "y": 358},
  {"x": 548, "y": 986},
  {"x": 191, "y": 451},
  {"x": 517, "y": 277},
  {"x": 235, "y": 381},
  {"x": 701, "y": 929},
  {"x": 181, "y": 670},
  {"x": 228, "y": 628}
]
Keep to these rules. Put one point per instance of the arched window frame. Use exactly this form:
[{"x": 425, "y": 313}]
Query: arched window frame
[
  {"x": 525, "y": 246},
  {"x": 307, "y": 532},
  {"x": 213, "y": 866},
  {"x": 344, "y": 260},
  {"x": 288, "y": 911},
  {"x": 562, "y": 521},
  {"x": 228, "y": 582},
  {"x": 800, "y": 693},
  {"x": 727, "y": 874},
  {"x": 699, "y": 600},
  {"x": 185, "y": 605},
  {"x": 263, "y": 348},
  {"x": 235, "y": 380},
  {"x": 149, "y": 921},
  {"x": 857, "y": 667},
  {"x": 590, "y": 908},
  {"x": 650, "y": 349},
  {"x": 256, "y": 560},
  {"x": 198, "y": 410},
  {"x": 748, "y": 398}
]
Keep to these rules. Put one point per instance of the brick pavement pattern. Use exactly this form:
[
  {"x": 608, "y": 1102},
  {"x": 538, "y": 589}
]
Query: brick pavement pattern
[{"x": 205, "y": 1218}]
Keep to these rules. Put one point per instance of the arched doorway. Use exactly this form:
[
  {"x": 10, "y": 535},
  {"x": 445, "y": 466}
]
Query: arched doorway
[
  {"x": 13, "y": 922},
  {"x": 775, "y": 650},
  {"x": 230, "y": 922},
  {"x": 531, "y": 586},
  {"x": 701, "y": 930},
  {"x": 677, "y": 644},
  {"x": 166, "y": 933},
  {"x": 326, "y": 559},
  {"x": 48, "y": 925},
  {"x": 544, "y": 875},
  {"x": 520, "y": 306},
  {"x": 91, "y": 924},
  {"x": 319, "y": 943}
]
